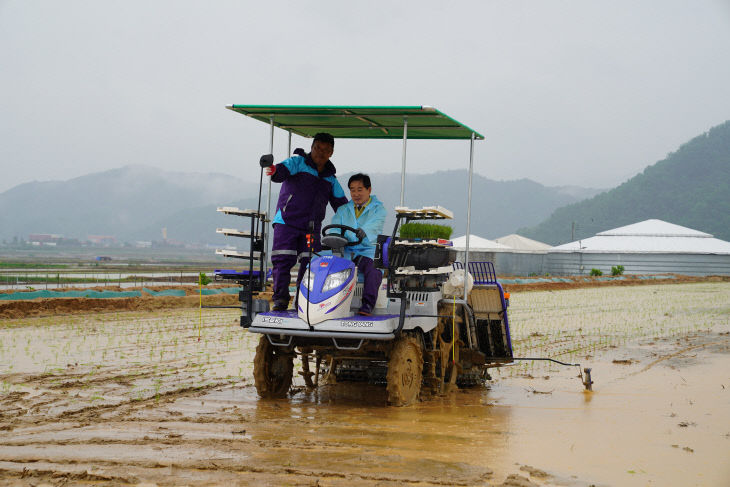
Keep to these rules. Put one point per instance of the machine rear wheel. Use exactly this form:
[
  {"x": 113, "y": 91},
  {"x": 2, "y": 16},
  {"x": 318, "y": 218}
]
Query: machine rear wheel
[
  {"x": 405, "y": 371},
  {"x": 273, "y": 368}
]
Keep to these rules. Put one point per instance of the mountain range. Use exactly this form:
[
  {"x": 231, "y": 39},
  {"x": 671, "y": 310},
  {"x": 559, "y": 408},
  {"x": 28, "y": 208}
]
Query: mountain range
[
  {"x": 126, "y": 202},
  {"x": 690, "y": 187},
  {"x": 137, "y": 202}
]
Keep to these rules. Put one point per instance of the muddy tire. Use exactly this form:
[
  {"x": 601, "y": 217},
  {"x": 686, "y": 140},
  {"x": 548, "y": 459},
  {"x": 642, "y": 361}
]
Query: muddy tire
[
  {"x": 273, "y": 368},
  {"x": 449, "y": 379},
  {"x": 306, "y": 373},
  {"x": 405, "y": 371}
]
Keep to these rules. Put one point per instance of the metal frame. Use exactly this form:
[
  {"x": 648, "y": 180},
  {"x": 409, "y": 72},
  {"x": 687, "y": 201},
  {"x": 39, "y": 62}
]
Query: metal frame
[{"x": 362, "y": 116}]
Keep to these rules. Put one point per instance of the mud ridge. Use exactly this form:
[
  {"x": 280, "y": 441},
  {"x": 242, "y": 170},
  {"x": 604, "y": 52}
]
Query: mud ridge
[
  {"x": 93, "y": 412},
  {"x": 56, "y": 476}
]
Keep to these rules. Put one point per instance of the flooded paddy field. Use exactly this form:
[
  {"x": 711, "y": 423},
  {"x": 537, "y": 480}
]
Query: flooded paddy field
[{"x": 167, "y": 398}]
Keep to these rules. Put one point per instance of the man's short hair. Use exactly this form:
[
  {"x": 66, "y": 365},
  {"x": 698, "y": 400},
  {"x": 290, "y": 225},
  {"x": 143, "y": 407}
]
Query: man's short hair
[
  {"x": 363, "y": 178},
  {"x": 324, "y": 137}
]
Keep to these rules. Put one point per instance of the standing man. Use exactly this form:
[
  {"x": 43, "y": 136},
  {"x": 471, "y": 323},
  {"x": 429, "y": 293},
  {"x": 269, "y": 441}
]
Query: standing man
[
  {"x": 365, "y": 212},
  {"x": 309, "y": 183}
]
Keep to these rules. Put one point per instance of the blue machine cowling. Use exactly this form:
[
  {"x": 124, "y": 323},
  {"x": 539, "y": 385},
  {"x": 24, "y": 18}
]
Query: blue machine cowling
[{"x": 321, "y": 267}]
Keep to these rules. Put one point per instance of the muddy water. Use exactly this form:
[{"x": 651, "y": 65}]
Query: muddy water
[
  {"x": 664, "y": 424},
  {"x": 667, "y": 424},
  {"x": 659, "y": 415}
]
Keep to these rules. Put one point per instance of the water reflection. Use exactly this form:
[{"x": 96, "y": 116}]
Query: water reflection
[{"x": 441, "y": 437}]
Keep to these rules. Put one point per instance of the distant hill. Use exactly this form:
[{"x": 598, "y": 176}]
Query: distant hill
[
  {"x": 120, "y": 202},
  {"x": 691, "y": 187},
  {"x": 136, "y": 202},
  {"x": 498, "y": 207}
]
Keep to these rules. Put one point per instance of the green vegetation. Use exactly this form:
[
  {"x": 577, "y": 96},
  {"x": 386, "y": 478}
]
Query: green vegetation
[
  {"x": 30, "y": 265},
  {"x": 617, "y": 270},
  {"x": 81, "y": 276},
  {"x": 57, "y": 279},
  {"x": 203, "y": 279},
  {"x": 689, "y": 188},
  {"x": 596, "y": 272},
  {"x": 425, "y": 231}
]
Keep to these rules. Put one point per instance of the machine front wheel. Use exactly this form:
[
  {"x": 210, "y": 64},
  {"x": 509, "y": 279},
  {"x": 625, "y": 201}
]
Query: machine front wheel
[
  {"x": 405, "y": 371},
  {"x": 273, "y": 368}
]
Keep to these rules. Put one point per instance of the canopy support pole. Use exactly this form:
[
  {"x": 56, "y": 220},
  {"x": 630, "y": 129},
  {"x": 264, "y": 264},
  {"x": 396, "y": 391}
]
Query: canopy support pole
[
  {"x": 288, "y": 150},
  {"x": 468, "y": 216},
  {"x": 268, "y": 205},
  {"x": 403, "y": 164}
]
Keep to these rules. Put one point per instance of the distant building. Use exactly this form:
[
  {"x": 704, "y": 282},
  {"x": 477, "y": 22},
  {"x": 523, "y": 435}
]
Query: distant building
[
  {"x": 508, "y": 260},
  {"x": 647, "y": 247},
  {"x": 477, "y": 243},
  {"x": 518, "y": 242},
  {"x": 44, "y": 238},
  {"x": 102, "y": 240}
]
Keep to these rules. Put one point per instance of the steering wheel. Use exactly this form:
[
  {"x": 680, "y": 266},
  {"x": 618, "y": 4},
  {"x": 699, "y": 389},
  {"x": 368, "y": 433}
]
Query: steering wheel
[{"x": 338, "y": 240}]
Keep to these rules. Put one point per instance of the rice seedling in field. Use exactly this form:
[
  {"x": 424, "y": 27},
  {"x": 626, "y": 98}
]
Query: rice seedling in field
[
  {"x": 133, "y": 356},
  {"x": 570, "y": 324},
  {"x": 125, "y": 356}
]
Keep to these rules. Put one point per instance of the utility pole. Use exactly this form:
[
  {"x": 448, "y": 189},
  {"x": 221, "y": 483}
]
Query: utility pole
[{"x": 572, "y": 232}]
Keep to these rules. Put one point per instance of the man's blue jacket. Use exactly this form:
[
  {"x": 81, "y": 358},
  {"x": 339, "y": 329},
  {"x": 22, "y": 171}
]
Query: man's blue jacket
[
  {"x": 305, "y": 192},
  {"x": 371, "y": 220}
]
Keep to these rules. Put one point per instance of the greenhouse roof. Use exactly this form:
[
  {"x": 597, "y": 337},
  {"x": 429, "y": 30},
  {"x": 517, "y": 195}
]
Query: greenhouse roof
[
  {"x": 647, "y": 237},
  {"x": 518, "y": 242},
  {"x": 360, "y": 122},
  {"x": 654, "y": 228},
  {"x": 477, "y": 243}
]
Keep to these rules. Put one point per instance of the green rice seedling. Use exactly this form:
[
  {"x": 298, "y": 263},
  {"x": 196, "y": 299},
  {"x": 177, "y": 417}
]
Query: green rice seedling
[
  {"x": 570, "y": 322},
  {"x": 425, "y": 231}
]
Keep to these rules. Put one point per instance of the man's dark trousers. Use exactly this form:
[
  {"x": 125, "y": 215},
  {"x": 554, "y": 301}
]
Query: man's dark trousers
[
  {"x": 373, "y": 278},
  {"x": 290, "y": 246}
]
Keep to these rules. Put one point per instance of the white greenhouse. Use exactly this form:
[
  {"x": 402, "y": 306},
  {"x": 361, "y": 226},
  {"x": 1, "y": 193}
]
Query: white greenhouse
[
  {"x": 647, "y": 247},
  {"x": 512, "y": 255}
]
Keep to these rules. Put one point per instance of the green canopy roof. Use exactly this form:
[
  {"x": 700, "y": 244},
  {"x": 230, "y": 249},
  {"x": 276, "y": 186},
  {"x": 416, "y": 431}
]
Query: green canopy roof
[{"x": 360, "y": 122}]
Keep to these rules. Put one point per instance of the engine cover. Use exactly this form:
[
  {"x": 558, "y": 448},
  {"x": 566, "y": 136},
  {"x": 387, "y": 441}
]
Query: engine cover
[{"x": 326, "y": 290}]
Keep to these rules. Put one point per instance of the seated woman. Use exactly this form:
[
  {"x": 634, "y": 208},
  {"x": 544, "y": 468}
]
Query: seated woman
[{"x": 363, "y": 211}]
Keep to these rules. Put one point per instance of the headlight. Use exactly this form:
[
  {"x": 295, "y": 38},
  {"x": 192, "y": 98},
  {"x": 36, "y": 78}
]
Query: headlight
[
  {"x": 309, "y": 280},
  {"x": 336, "y": 280}
]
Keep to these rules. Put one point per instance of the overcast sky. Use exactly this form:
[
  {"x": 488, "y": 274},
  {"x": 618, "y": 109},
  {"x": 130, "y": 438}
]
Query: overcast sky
[{"x": 567, "y": 92}]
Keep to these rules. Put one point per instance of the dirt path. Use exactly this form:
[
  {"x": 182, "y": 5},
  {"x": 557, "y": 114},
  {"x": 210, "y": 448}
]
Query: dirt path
[
  {"x": 152, "y": 397},
  {"x": 66, "y": 306}
]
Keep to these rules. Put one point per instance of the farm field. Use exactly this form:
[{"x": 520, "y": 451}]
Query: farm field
[{"x": 166, "y": 397}]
